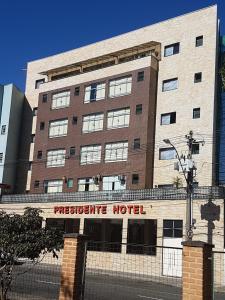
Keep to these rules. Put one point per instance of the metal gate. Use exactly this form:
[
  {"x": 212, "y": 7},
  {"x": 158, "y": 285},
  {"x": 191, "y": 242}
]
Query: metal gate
[{"x": 130, "y": 271}]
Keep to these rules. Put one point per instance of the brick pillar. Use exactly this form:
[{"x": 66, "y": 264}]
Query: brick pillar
[
  {"x": 73, "y": 264},
  {"x": 197, "y": 271}
]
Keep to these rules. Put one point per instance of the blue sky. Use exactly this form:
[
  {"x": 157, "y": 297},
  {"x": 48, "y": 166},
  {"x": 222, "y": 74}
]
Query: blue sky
[{"x": 34, "y": 29}]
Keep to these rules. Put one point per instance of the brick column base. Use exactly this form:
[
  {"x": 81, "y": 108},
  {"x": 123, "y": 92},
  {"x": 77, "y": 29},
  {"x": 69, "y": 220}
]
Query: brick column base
[
  {"x": 73, "y": 264},
  {"x": 197, "y": 271}
]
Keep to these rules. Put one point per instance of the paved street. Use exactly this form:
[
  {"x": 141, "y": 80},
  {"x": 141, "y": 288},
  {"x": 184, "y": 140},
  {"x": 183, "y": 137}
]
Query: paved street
[{"x": 42, "y": 282}]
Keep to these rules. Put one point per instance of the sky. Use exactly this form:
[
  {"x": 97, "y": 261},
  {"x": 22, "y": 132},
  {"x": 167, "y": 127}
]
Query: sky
[{"x": 30, "y": 29}]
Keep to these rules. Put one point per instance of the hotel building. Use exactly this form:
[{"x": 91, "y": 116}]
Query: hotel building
[{"x": 100, "y": 115}]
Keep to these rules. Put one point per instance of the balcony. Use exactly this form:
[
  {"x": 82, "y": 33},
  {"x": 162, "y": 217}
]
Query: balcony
[{"x": 120, "y": 195}]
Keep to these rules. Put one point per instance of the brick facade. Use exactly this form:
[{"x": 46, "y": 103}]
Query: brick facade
[
  {"x": 197, "y": 271},
  {"x": 140, "y": 161},
  {"x": 72, "y": 272}
]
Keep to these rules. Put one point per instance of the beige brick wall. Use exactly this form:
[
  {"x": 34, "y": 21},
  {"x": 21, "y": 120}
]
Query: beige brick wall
[
  {"x": 155, "y": 209},
  {"x": 183, "y": 65}
]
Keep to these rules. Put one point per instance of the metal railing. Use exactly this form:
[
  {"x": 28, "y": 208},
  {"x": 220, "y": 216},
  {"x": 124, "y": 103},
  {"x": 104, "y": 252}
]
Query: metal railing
[
  {"x": 145, "y": 272},
  {"x": 122, "y": 195}
]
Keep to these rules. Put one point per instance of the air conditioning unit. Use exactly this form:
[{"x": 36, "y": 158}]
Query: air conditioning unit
[
  {"x": 122, "y": 179},
  {"x": 97, "y": 179}
]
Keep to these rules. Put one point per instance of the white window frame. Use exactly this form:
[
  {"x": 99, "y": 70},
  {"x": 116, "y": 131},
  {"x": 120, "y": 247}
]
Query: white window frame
[
  {"x": 60, "y": 100},
  {"x": 90, "y": 154},
  {"x": 56, "y": 158},
  {"x": 82, "y": 182},
  {"x": 170, "y": 84},
  {"x": 118, "y": 118},
  {"x": 120, "y": 87},
  {"x": 117, "y": 151},
  {"x": 54, "y": 186},
  {"x": 93, "y": 122},
  {"x": 112, "y": 183},
  {"x": 58, "y": 128},
  {"x": 167, "y": 153},
  {"x": 94, "y": 92}
]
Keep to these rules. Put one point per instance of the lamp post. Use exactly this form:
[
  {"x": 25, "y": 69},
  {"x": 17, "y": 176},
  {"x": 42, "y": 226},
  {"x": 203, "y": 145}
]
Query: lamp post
[{"x": 189, "y": 181}]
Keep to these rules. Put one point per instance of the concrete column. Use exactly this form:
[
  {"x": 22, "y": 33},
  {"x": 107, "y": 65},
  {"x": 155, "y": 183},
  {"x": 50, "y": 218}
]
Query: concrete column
[
  {"x": 197, "y": 271},
  {"x": 73, "y": 267},
  {"x": 124, "y": 236},
  {"x": 43, "y": 225},
  {"x": 81, "y": 230}
]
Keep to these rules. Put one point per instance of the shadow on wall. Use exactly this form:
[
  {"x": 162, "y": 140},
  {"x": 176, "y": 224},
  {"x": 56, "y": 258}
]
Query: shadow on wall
[
  {"x": 24, "y": 148},
  {"x": 65, "y": 292},
  {"x": 211, "y": 213}
]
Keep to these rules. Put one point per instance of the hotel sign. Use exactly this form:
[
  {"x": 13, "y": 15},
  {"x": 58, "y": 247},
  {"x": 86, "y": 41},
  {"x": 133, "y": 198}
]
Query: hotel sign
[{"x": 100, "y": 210}]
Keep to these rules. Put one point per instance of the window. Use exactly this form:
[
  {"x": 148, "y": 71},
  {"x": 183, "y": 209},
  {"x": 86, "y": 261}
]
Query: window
[
  {"x": 141, "y": 236},
  {"x": 3, "y": 129},
  {"x": 165, "y": 186},
  {"x": 135, "y": 178},
  {"x": 74, "y": 120},
  {"x": 58, "y": 128},
  {"x": 196, "y": 113},
  {"x": 56, "y": 158},
  {"x": 72, "y": 151},
  {"x": 1, "y": 157},
  {"x": 35, "y": 110},
  {"x": 173, "y": 228},
  {"x": 120, "y": 87},
  {"x": 39, "y": 155},
  {"x": 168, "y": 118},
  {"x": 70, "y": 182},
  {"x": 94, "y": 92},
  {"x": 195, "y": 149},
  {"x": 167, "y": 153},
  {"x": 116, "y": 151},
  {"x": 112, "y": 183},
  {"x": 118, "y": 118},
  {"x": 170, "y": 84},
  {"x": 138, "y": 109},
  {"x": 104, "y": 234},
  {"x": 60, "y": 100},
  {"x": 36, "y": 183},
  {"x": 93, "y": 122},
  {"x": 42, "y": 125},
  {"x": 171, "y": 49},
  {"x": 32, "y": 137},
  {"x": 137, "y": 143},
  {"x": 63, "y": 225},
  {"x": 39, "y": 82},
  {"x": 53, "y": 186},
  {"x": 90, "y": 154},
  {"x": 87, "y": 185},
  {"x": 77, "y": 91},
  {"x": 141, "y": 76},
  {"x": 44, "y": 98},
  {"x": 199, "y": 41},
  {"x": 198, "y": 77}
]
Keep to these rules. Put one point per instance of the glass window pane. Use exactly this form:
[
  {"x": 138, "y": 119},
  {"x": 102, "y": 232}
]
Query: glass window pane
[
  {"x": 165, "y": 119},
  {"x": 167, "y": 232},
  {"x": 167, "y": 223},
  {"x": 169, "y": 85},
  {"x": 166, "y": 154}
]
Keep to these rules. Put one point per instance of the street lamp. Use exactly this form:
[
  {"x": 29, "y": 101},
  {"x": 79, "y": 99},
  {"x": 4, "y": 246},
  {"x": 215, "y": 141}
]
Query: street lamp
[
  {"x": 189, "y": 181},
  {"x": 167, "y": 141}
]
